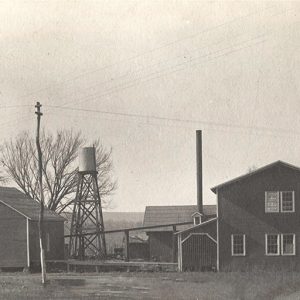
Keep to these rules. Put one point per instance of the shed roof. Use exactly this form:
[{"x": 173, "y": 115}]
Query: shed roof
[
  {"x": 159, "y": 215},
  {"x": 197, "y": 226},
  {"x": 25, "y": 206},
  {"x": 259, "y": 170}
]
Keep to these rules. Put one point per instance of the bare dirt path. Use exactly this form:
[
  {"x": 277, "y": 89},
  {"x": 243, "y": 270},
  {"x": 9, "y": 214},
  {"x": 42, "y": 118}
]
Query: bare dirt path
[{"x": 259, "y": 285}]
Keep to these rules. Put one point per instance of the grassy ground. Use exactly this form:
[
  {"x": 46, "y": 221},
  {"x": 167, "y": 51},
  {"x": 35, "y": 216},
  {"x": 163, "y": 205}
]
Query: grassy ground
[{"x": 256, "y": 285}]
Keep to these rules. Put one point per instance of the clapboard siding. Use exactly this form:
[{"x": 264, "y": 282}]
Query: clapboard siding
[
  {"x": 13, "y": 245},
  {"x": 241, "y": 209},
  {"x": 56, "y": 236},
  {"x": 199, "y": 253},
  {"x": 197, "y": 247},
  {"x": 19, "y": 216}
]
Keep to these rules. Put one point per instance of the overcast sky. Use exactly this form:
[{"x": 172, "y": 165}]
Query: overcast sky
[{"x": 163, "y": 69}]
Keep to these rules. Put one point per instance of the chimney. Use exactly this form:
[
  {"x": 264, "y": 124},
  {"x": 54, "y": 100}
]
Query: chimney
[{"x": 199, "y": 170}]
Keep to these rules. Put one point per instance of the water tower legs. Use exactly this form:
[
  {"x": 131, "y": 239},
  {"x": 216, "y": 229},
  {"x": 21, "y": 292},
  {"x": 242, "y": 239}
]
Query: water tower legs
[{"x": 87, "y": 218}]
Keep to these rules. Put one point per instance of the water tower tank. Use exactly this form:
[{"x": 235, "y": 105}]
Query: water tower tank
[{"x": 87, "y": 159}]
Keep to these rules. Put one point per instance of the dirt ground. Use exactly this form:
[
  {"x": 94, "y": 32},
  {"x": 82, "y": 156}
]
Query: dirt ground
[{"x": 262, "y": 285}]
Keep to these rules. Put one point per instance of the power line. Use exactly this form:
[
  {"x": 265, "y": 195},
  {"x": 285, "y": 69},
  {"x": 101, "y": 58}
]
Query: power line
[
  {"x": 178, "y": 56},
  {"x": 15, "y": 106},
  {"x": 154, "y": 64},
  {"x": 234, "y": 20},
  {"x": 187, "y": 121},
  {"x": 193, "y": 127},
  {"x": 154, "y": 73},
  {"x": 164, "y": 72}
]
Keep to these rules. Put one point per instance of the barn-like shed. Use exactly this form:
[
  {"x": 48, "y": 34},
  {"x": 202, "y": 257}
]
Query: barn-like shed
[
  {"x": 162, "y": 241},
  {"x": 197, "y": 247},
  {"x": 19, "y": 217}
]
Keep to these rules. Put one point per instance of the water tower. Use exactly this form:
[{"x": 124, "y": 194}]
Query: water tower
[{"x": 87, "y": 237}]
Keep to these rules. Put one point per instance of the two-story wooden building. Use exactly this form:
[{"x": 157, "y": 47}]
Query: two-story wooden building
[{"x": 257, "y": 224}]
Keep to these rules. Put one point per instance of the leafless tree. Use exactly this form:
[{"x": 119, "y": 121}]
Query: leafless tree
[
  {"x": 19, "y": 158},
  {"x": 3, "y": 178}
]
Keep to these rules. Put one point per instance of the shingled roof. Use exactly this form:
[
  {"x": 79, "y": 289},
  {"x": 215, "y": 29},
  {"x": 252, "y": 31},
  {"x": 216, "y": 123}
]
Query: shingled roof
[
  {"x": 159, "y": 215},
  {"x": 25, "y": 206}
]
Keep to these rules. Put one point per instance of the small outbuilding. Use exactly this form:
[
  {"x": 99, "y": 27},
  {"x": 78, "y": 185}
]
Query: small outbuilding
[
  {"x": 197, "y": 247},
  {"x": 163, "y": 241},
  {"x": 19, "y": 215}
]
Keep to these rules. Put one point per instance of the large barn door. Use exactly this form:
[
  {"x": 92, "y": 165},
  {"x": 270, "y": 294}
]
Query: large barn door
[{"x": 199, "y": 253}]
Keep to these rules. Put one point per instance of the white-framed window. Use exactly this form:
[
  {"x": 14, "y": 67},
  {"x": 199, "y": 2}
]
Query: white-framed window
[
  {"x": 271, "y": 202},
  {"x": 276, "y": 201},
  {"x": 238, "y": 245},
  {"x": 197, "y": 220},
  {"x": 272, "y": 244},
  {"x": 287, "y": 201},
  {"x": 287, "y": 241},
  {"x": 288, "y": 246}
]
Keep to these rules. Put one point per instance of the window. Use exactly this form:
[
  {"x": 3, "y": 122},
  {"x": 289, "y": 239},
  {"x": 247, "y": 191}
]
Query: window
[
  {"x": 287, "y": 201},
  {"x": 284, "y": 200},
  {"x": 272, "y": 244},
  {"x": 238, "y": 245},
  {"x": 197, "y": 217},
  {"x": 271, "y": 202},
  {"x": 288, "y": 244},
  {"x": 197, "y": 220}
]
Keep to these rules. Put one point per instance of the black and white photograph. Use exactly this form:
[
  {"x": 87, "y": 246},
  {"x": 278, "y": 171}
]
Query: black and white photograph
[{"x": 149, "y": 149}]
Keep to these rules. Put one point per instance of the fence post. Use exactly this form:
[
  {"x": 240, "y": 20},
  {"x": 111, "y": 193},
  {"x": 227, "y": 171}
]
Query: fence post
[
  {"x": 127, "y": 254},
  {"x": 174, "y": 240}
]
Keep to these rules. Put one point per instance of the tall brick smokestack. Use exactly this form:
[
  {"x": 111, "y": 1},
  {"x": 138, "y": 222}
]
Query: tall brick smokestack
[{"x": 199, "y": 170}]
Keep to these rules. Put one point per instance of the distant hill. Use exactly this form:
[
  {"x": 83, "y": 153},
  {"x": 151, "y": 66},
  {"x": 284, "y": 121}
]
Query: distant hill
[
  {"x": 113, "y": 220},
  {"x": 117, "y": 217},
  {"x": 116, "y": 220},
  {"x": 119, "y": 220},
  {"x": 135, "y": 217}
]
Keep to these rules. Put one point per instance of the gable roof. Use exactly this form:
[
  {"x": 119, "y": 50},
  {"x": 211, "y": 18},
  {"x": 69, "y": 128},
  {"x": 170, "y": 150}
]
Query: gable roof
[
  {"x": 159, "y": 215},
  {"x": 197, "y": 213},
  {"x": 259, "y": 170},
  {"x": 197, "y": 226},
  {"x": 29, "y": 208}
]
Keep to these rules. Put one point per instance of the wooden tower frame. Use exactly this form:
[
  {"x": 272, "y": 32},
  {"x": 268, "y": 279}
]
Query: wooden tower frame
[{"x": 87, "y": 218}]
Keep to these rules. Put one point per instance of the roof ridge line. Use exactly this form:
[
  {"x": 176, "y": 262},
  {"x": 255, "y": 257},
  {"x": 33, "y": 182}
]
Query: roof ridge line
[
  {"x": 24, "y": 215},
  {"x": 260, "y": 169}
]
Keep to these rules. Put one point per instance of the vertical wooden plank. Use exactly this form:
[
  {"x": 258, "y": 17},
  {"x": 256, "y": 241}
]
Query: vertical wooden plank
[
  {"x": 174, "y": 244},
  {"x": 218, "y": 239},
  {"x": 28, "y": 245},
  {"x": 81, "y": 248},
  {"x": 127, "y": 254},
  {"x": 179, "y": 253}
]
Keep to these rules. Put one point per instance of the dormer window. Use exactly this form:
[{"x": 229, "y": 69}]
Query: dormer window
[{"x": 197, "y": 218}]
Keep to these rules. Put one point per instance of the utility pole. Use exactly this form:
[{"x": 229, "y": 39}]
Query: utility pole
[{"x": 41, "y": 216}]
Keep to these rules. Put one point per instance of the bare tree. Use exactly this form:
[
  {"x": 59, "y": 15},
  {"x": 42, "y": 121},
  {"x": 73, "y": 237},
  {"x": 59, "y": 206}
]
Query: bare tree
[
  {"x": 19, "y": 158},
  {"x": 3, "y": 178}
]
